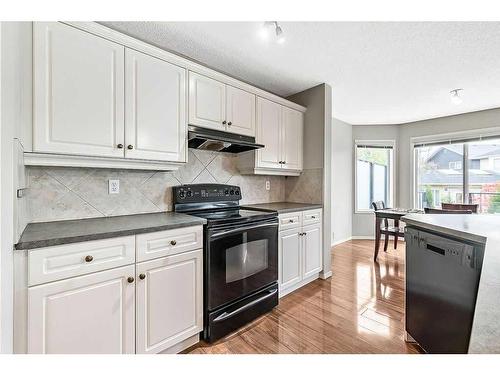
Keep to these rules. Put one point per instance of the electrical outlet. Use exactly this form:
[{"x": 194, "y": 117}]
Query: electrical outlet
[
  {"x": 114, "y": 186},
  {"x": 268, "y": 185}
]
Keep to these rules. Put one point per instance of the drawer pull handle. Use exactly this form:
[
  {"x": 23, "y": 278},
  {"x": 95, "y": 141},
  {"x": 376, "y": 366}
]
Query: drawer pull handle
[
  {"x": 142, "y": 276},
  {"x": 313, "y": 217},
  {"x": 173, "y": 242},
  {"x": 290, "y": 221},
  {"x": 89, "y": 258},
  {"x": 130, "y": 279}
]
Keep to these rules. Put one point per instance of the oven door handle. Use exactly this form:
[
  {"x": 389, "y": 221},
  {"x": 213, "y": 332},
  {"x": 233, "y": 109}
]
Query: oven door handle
[
  {"x": 226, "y": 315},
  {"x": 241, "y": 229}
]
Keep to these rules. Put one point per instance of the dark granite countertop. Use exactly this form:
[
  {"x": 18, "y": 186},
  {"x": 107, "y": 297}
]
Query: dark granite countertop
[
  {"x": 484, "y": 229},
  {"x": 283, "y": 207},
  {"x": 69, "y": 231}
]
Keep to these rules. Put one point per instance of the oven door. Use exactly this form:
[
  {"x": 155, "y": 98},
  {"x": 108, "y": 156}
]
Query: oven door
[{"x": 240, "y": 260}]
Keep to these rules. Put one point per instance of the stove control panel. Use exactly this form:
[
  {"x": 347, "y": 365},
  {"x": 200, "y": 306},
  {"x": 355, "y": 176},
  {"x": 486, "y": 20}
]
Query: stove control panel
[{"x": 199, "y": 193}]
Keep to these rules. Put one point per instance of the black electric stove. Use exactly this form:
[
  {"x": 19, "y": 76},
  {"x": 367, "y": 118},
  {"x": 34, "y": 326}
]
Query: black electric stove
[{"x": 240, "y": 256}]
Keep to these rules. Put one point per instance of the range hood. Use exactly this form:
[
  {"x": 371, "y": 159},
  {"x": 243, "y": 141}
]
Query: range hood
[{"x": 215, "y": 140}]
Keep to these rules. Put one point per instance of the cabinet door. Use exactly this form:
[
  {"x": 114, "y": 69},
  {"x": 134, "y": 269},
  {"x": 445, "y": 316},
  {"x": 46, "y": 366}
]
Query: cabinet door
[
  {"x": 292, "y": 138},
  {"x": 78, "y": 92},
  {"x": 240, "y": 109},
  {"x": 313, "y": 250},
  {"x": 155, "y": 110},
  {"x": 290, "y": 258},
  {"x": 207, "y": 102},
  {"x": 169, "y": 301},
  {"x": 268, "y": 133},
  {"x": 92, "y": 314}
]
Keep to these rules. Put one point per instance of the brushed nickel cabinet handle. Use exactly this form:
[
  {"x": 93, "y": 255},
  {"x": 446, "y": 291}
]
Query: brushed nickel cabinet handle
[
  {"x": 89, "y": 258},
  {"x": 130, "y": 279},
  {"x": 173, "y": 242},
  {"x": 142, "y": 276}
]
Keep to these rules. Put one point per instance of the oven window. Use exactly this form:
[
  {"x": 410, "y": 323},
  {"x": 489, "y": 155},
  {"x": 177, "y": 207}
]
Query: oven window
[{"x": 246, "y": 259}]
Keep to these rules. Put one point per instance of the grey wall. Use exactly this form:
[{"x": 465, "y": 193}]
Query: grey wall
[
  {"x": 314, "y": 184},
  {"x": 342, "y": 181},
  {"x": 363, "y": 223}
]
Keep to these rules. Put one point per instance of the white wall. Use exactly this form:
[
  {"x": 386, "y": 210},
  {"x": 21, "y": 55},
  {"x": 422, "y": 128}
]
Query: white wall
[
  {"x": 363, "y": 223},
  {"x": 342, "y": 181}
]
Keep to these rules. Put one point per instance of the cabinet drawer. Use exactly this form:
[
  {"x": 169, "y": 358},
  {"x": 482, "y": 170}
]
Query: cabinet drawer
[
  {"x": 311, "y": 217},
  {"x": 60, "y": 262},
  {"x": 168, "y": 242},
  {"x": 290, "y": 220}
]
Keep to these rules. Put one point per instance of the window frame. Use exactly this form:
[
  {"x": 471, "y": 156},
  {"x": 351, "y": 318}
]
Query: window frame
[
  {"x": 392, "y": 170},
  {"x": 464, "y": 136}
]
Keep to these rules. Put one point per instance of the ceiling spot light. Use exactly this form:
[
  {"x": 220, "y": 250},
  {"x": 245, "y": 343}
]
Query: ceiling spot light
[
  {"x": 267, "y": 30},
  {"x": 455, "y": 96}
]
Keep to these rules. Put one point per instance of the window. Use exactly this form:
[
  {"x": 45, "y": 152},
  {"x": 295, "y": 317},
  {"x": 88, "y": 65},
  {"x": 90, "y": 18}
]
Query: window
[
  {"x": 374, "y": 174},
  {"x": 458, "y": 171}
]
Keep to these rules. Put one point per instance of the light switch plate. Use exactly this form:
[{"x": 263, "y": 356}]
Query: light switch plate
[
  {"x": 268, "y": 185},
  {"x": 114, "y": 186}
]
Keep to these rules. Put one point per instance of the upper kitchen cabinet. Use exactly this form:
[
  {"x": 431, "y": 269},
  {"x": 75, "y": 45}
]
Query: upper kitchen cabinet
[
  {"x": 155, "y": 108},
  {"x": 280, "y": 130},
  {"x": 240, "y": 111},
  {"x": 207, "y": 102},
  {"x": 292, "y": 138},
  {"x": 215, "y": 105},
  {"x": 78, "y": 88}
]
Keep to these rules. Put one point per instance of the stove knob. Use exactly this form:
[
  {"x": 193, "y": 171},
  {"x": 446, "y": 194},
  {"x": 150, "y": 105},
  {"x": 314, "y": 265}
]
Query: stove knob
[
  {"x": 226, "y": 192},
  {"x": 182, "y": 195},
  {"x": 237, "y": 192},
  {"x": 231, "y": 192},
  {"x": 189, "y": 193}
]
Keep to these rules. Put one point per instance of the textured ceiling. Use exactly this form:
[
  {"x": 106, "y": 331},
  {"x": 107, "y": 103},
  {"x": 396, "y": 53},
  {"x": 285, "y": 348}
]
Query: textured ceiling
[{"x": 381, "y": 72}]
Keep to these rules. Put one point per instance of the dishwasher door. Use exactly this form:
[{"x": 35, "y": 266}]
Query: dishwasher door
[{"x": 442, "y": 278}]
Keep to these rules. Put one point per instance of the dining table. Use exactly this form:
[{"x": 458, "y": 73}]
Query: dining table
[{"x": 390, "y": 213}]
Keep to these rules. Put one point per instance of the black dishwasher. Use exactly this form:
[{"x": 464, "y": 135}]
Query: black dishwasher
[{"x": 442, "y": 278}]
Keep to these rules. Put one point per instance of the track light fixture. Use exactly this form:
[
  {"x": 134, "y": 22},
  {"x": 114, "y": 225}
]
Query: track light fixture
[
  {"x": 455, "y": 96},
  {"x": 267, "y": 29}
]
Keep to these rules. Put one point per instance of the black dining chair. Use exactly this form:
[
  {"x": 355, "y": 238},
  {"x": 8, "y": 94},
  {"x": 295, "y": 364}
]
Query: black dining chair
[
  {"x": 438, "y": 211},
  {"x": 388, "y": 231}
]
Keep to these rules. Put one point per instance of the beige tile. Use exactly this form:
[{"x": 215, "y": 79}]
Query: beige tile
[
  {"x": 70, "y": 206},
  {"x": 158, "y": 189},
  {"x": 190, "y": 171},
  {"x": 69, "y": 177},
  {"x": 205, "y": 178},
  {"x": 204, "y": 156},
  {"x": 223, "y": 167}
]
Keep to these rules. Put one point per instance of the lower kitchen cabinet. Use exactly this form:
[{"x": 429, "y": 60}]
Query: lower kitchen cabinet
[
  {"x": 300, "y": 250},
  {"x": 169, "y": 301},
  {"x": 92, "y": 314}
]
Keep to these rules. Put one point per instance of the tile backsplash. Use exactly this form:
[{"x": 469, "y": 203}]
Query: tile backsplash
[{"x": 60, "y": 193}]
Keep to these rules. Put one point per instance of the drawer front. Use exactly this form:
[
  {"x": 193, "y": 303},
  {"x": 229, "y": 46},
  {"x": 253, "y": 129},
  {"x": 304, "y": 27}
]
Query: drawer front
[
  {"x": 290, "y": 220},
  {"x": 311, "y": 217},
  {"x": 168, "y": 242},
  {"x": 64, "y": 261}
]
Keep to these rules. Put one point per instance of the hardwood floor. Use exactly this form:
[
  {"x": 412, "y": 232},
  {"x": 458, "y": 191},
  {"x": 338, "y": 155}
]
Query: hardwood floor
[{"x": 358, "y": 310}]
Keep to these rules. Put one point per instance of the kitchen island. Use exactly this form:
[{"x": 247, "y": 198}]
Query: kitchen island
[{"x": 485, "y": 230}]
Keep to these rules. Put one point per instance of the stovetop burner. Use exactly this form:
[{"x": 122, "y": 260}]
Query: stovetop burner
[{"x": 217, "y": 203}]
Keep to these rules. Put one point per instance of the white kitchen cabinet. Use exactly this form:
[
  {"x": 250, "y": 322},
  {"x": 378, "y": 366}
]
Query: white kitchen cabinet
[
  {"x": 240, "y": 111},
  {"x": 312, "y": 250},
  {"x": 92, "y": 314},
  {"x": 155, "y": 108},
  {"x": 292, "y": 138},
  {"x": 169, "y": 301},
  {"x": 290, "y": 258},
  {"x": 280, "y": 130},
  {"x": 78, "y": 92},
  {"x": 269, "y": 133},
  {"x": 300, "y": 249},
  {"x": 215, "y": 105},
  {"x": 207, "y": 102}
]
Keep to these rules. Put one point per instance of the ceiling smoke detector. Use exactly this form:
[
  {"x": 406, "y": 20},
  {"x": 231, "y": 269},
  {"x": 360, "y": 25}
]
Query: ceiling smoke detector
[{"x": 455, "y": 96}]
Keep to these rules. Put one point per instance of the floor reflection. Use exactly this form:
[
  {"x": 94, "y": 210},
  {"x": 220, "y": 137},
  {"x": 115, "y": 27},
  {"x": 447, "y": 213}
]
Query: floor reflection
[{"x": 358, "y": 310}]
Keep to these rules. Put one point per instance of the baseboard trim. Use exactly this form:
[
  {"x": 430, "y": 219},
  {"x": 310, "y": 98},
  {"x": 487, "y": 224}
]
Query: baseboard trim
[
  {"x": 338, "y": 242},
  {"x": 362, "y": 237},
  {"x": 325, "y": 275}
]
